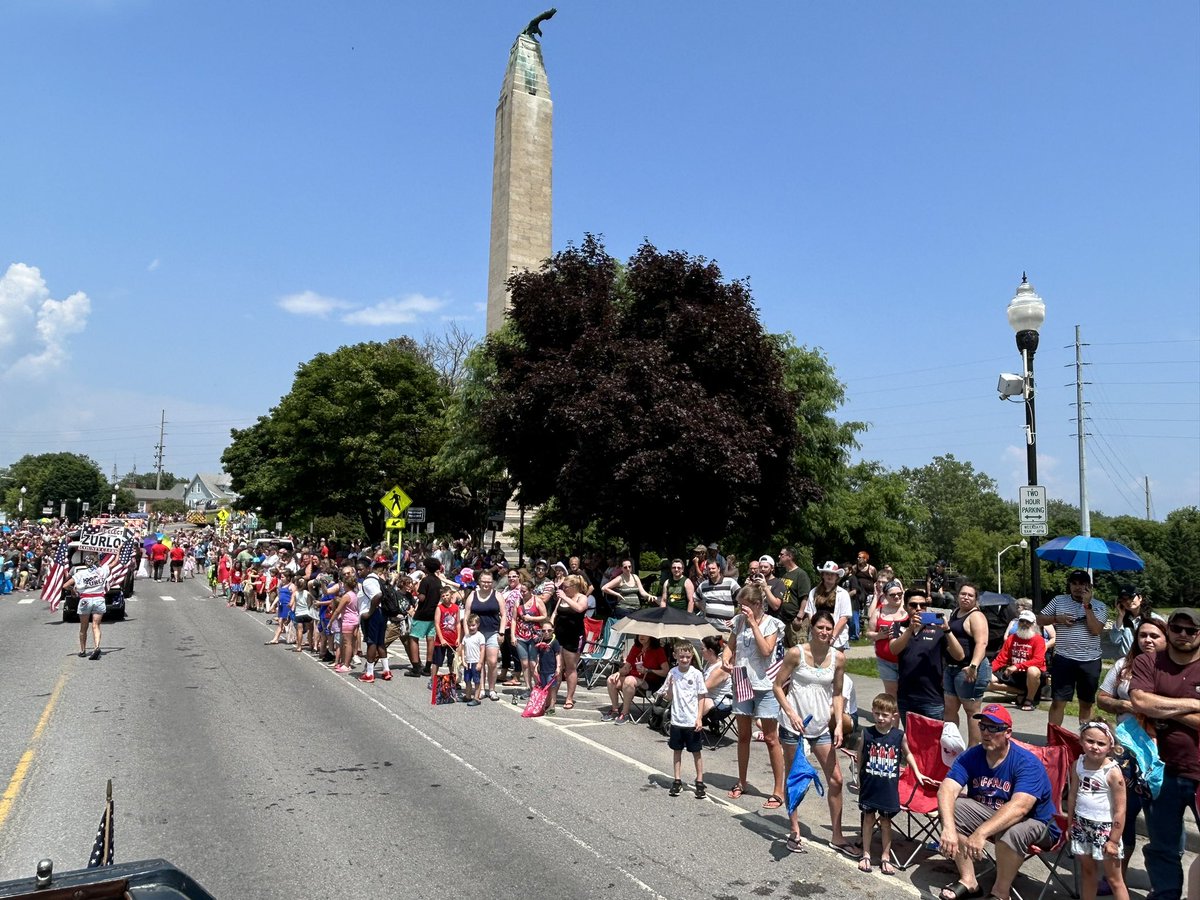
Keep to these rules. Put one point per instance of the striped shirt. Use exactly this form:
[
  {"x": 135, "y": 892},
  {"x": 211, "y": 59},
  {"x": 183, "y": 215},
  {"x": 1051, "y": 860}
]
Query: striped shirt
[
  {"x": 1075, "y": 641},
  {"x": 717, "y": 598}
]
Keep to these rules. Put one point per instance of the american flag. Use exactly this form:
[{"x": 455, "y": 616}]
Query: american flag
[
  {"x": 56, "y": 576},
  {"x": 120, "y": 563},
  {"x": 102, "y": 850},
  {"x": 742, "y": 691}
]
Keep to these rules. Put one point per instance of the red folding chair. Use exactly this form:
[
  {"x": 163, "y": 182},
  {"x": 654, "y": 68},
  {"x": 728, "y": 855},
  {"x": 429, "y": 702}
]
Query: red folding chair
[
  {"x": 918, "y": 801},
  {"x": 1057, "y": 736},
  {"x": 1057, "y": 759}
]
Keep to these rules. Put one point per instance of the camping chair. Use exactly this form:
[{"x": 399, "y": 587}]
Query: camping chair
[
  {"x": 917, "y": 801},
  {"x": 603, "y": 659},
  {"x": 717, "y": 725},
  {"x": 1057, "y": 760}
]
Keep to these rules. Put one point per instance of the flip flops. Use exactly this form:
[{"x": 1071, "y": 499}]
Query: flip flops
[
  {"x": 773, "y": 802},
  {"x": 736, "y": 791},
  {"x": 795, "y": 845}
]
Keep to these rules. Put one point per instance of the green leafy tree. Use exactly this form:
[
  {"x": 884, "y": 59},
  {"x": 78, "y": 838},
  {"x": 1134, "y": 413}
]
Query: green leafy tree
[
  {"x": 50, "y": 478},
  {"x": 169, "y": 506},
  {"x": 149, "y": 481},
  {"x": 355, "y": 422},
  {"x": 649, "y": 400},
  {"x": 956, "y": 497}
]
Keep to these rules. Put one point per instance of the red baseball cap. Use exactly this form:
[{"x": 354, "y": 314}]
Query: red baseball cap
[{"x": 994, "y": 712}]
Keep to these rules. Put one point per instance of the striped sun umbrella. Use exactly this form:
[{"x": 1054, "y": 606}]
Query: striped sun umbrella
[{"x": 1082, "y": 552}]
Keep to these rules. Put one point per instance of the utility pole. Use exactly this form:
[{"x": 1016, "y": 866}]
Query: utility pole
[
  {"x": 1085, "y": 516},
  {"x": 158, "y": 451},
  {"x": 1147, "y": 477}
]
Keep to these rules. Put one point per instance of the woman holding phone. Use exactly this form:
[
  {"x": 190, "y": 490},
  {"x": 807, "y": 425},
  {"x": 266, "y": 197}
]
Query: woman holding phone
[{"x": 964, "y": 680}]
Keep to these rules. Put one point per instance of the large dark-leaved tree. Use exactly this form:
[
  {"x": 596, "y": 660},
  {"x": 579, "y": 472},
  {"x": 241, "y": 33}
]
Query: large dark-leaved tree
[
  {"x": 355, "y": 422},
  {"x": 646, "y": 397}
]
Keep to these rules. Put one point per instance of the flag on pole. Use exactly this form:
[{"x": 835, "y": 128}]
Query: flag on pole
[
  {"x": 56, "y": 577},
  {"x": 102, "y": 850},
  {"x": 120, "y": 563}
]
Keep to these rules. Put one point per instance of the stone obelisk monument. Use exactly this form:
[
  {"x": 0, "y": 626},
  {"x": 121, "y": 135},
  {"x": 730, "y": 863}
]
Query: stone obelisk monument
[{"x": 521, "y": 170}]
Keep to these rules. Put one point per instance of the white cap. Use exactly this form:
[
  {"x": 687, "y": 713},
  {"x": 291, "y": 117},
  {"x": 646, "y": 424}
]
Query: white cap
[{"x": 1027, "y": 615}]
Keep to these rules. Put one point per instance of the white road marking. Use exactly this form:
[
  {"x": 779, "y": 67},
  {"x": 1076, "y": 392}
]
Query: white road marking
[
  {"x": 131, "y": 599},
  {"x": 166, "y": 599},
  {"x": 25, "y": 600}
]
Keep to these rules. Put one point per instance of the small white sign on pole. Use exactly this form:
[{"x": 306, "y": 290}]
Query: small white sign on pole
[{"x": 1032, "y": 510}]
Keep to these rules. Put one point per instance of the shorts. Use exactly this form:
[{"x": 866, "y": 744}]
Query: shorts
[
  {"x": 443, "y": 655},
  {"x": 955, "y": 684},
  {"x": 471, "y": 674},
  {"x": 971, "y": 814},
  {"x": 348, "y": 625},
  {"x": 492, "y": 640},
  {"x": 762, "y": 705},
  {"x": 396, "y": 629},
  {"x": 888, "y": 671},
  {"x": 177, "y": 564},
  {"x": 1088, "y": 839},
  {"x": 303, "y": 620},
  {"x": 92, "y": 607},
  {"x": 570, "y": 635},
  {"x": 421, "y": 630},
  {"x": 688, "y": 739},
  {"x": 792, "y": 738},
  {"x": 527, "y": 650},
  {"x": 376, "y": 630},
  {"x": 1070, "y": 676},
  {"x": 285, "y": 616}
]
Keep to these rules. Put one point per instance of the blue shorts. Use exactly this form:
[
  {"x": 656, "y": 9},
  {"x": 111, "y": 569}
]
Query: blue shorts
[
  {"x": 443, "y": 655},
  {"x": 420, "y": 630},
  {"x": 888, "y": 671},
  {"x": 471, "y": 674},
  {"x": 955, "y": 684},
  {"x": 792, "y": 738},
  {"x": 762, "y": 705},
  {"x": 376, "y": 629},
  {"x": 527, "y": 650}
]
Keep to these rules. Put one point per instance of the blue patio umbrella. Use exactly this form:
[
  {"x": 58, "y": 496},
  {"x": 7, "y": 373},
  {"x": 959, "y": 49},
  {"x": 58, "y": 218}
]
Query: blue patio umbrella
[{"x": 1082, "y": 552}]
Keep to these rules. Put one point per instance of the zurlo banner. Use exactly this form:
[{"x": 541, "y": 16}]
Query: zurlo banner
[{"x": 102, "y": 540}]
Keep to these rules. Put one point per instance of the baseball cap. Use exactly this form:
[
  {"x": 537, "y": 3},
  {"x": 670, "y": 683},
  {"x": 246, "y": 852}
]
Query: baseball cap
[
  {"x": 466, "y": 576},
  {"x": 1127, "y": 590},
  {"x": 380, "y": 564},
  {"x": 994, "y": 712},
  {"x": 1185, "y": 613},
  {"x": 1026, "y": 615},
  {"x": 1079, "y": 575},
  {"x": 767, "y": 560},
  {"x": 699, "y": 548}
]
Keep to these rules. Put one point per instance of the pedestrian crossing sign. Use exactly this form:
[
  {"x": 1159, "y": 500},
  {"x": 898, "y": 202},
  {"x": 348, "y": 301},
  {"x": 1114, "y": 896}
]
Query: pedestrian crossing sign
[
  {"x": 397, "y": 523},
  {"x": 396, "y": 501},
  {"x": 223, "y": 516}
]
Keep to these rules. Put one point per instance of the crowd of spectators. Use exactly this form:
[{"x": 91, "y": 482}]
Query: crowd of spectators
[{"x": 779, "y": 669}]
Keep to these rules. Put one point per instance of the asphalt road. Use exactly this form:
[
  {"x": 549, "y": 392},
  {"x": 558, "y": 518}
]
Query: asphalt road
[{"x": 264, "y": 774}]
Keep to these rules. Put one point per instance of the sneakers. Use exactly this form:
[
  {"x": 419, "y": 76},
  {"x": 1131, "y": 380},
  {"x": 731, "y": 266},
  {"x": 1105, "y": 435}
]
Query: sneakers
[
  {"x": 701, "y": 790},
  {"x": 387, "y": 675},
  {"x": 427, "y": 670},
  {"x": 608, "y": 715},
  {"x": 95, "y": 654},
  {"x": 472, "y": 702},
  {"x": 621, "y": 720},
  {"x": 493, "y": 696},
  {"x": 341, "y": 670},
  {"x": 366, "y": 677},
  {"x": 412, "y": 673},
  {"x": 676, "y": 787}
]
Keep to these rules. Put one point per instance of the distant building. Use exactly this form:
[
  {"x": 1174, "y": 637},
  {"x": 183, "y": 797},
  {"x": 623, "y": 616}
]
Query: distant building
[
  {"x": 209, "y": 491},
  {"x": 146, "y": 498}
]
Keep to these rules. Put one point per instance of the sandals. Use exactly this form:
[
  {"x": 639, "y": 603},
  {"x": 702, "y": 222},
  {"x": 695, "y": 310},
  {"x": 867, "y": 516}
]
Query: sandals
[
  {"x": 850, "y": 851},
  {"x": 864, "y": 864},
  {"x": 570, "y": 704},
  {"x": 886, "y": 867},
  {"x": 676, "y": 788},
  {"x": 773, "y": 802},
  {"x": 795, "y": 845},
  {"x": 958, "y": 891},
  {"x": 736, "y": 791},
  {"x": 1027, "y": 707},
  {"x": 701, "y": 790}
]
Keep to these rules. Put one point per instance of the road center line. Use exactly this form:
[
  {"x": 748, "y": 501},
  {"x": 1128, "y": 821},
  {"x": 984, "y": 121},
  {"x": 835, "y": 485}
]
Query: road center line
[{"x": 22, "y": 771}]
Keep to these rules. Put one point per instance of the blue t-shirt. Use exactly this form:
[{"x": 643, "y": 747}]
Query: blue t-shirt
[
  {"x": 1019, "y": 772},
  {"x": 547, "y": 660}
]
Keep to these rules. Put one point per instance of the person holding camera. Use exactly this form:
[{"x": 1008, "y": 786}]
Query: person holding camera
[
  {"x": 918, "y": 646},
  {"x": 1079, "y": 619}
]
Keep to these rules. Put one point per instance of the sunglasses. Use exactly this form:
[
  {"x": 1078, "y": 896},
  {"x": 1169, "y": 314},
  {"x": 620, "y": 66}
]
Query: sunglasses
[
  {"x": 992, "y": 727},
  {"x": 1185, "y": 630},
  {"x": 917, "y": 605}
]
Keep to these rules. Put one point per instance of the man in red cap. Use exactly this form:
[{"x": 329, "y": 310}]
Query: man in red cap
[{"x": 1008, "y": 800}]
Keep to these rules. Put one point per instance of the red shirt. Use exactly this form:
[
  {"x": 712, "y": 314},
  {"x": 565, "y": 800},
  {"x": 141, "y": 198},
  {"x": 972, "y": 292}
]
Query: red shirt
[
  {"x": 1022, "y": 653},
  {"x": 641, "y": 663},
  {"x": 447, "y": 623},
  {"x": 177, "y": 554},
  {"x": 158, "y": 552}
]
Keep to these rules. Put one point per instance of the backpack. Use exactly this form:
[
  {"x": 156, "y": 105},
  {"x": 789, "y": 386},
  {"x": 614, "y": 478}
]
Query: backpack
[{"x": 389, "y": 599}]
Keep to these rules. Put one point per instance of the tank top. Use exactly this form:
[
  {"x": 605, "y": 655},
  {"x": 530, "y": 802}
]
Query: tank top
[
  {"x": 488, "y": 610},
  {"x": 1093, "y": 801},
  {"x": 882, "y": 646},
  {"x": 811, "y": 695},
  {"x": 676, "y": 594},
  {"x": 958, "y": 627},
  {"x": 629, "y": 593},
  {"x": 879, "y": 776},
  {"x": 525, "y": 630},
  {"x": 285, "y": 596}
]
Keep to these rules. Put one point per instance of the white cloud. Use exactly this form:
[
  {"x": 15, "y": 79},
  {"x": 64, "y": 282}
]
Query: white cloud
[
  {"x": 310, "y": 303},
  {"x": 33, "y": 322},
  {"x": 394, "y": 312},
  {"x": 154, "y": 264}
]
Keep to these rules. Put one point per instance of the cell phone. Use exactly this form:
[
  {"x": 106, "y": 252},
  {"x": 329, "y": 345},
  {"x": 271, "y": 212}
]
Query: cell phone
[{"x": 930, "y": 618}]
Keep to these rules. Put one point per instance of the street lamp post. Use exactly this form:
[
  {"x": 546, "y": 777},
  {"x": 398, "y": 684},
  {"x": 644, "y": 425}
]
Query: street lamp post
[
  {"x": 1024, "y": 545},
  {"x": 1026, "y": 313},
  {"x": 21, "y": 502},
  {"x": 79, "y": 509},
  {"x": 112, "y": 500}
]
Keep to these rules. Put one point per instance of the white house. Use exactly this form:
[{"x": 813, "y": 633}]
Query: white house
[{"x": 209, "y": 491}]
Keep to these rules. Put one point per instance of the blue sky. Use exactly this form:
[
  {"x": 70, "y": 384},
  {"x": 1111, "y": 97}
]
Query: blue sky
[{"x": 182, "y": 174}]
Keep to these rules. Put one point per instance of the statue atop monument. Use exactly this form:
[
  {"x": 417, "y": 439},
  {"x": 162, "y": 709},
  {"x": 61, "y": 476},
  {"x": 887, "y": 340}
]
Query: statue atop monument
[{"x": 533, "y": 29}]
